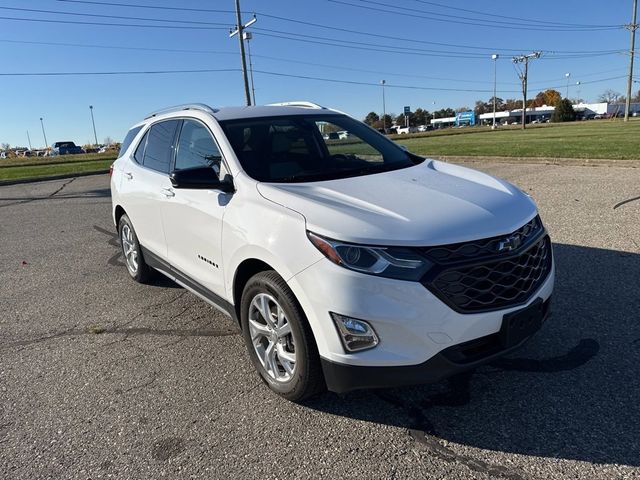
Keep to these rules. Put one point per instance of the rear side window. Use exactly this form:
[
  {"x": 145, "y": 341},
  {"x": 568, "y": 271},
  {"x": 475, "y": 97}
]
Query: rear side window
[
  {"x": 197, "y": 148},
  {"x": 159, "y": 150},
  {"x": 139, "y": 155},
  {"x": 128, "y": 139}
]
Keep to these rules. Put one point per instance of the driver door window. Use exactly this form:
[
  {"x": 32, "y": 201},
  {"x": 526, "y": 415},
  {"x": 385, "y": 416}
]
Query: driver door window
[{"x": 197, "y": 148}]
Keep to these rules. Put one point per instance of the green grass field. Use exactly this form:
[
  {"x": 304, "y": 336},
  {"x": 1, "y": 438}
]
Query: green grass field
[
  {"x": 43, "y": 167},
  {"x": 20, "y": 172},
  {"x": 593, "y": 139}
]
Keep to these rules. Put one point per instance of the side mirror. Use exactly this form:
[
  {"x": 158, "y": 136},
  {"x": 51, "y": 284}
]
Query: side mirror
[{"x": 201, "y": 178}]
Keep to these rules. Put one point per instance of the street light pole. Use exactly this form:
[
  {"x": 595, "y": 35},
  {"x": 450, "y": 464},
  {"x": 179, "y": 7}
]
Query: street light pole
[
  {"x": 384, "y": 108},
  {"x": 567, "y": 76},
  {"x": 46, "y": 144},
  {"x": 93, "y": 122},
  {"x": 494, "y": 57},
  {"x": 29, "y": 140}
]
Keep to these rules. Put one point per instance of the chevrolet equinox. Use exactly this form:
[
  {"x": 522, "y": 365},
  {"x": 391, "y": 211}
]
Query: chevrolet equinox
[{"x": 347, "y": 261}]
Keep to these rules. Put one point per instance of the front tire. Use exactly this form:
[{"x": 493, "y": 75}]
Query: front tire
[
  {"x": 279, "y": 339},
  {"x": 133, "y": 258}
]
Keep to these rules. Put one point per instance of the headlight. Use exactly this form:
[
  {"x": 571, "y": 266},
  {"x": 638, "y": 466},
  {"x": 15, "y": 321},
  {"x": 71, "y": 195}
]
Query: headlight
[{"x": 391, "y": 262}]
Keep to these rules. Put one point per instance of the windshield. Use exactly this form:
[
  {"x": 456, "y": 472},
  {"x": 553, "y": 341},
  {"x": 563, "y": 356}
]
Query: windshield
[{"x": 305, "y": 148}]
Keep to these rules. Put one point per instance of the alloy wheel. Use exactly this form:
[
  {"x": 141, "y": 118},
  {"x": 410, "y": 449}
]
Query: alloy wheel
[
  {"x": 271, "y": 337},
  {"x": 129, "y": 248}
]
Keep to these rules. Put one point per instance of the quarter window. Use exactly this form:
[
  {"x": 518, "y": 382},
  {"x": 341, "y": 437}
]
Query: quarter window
[
  {"x": 128, "y": 139},
  {"x": 157, "y": 155},
  {"x": 139, "y": 155},
  {"x": 197, "y": 148}
]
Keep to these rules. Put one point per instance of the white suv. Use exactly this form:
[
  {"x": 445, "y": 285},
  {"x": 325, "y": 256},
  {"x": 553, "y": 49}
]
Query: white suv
[{"x": 347, "y": 262}]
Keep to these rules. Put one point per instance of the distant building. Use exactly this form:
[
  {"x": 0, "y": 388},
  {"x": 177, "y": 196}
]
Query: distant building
[{"x": 542, "y": 114}]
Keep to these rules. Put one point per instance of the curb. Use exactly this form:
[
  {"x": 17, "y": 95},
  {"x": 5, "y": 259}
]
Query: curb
[
  {"x": 47, "y": 179},
  {"x": 561, "y": 162}
]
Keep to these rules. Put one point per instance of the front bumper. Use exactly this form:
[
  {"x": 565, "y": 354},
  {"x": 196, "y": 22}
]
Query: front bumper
[
  {"x": 412, "y": 324},
  {"x": 341, "y": 377}
]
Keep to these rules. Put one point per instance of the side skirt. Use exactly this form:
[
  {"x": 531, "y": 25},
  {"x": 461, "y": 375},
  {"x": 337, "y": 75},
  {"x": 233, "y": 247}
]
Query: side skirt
[{"x": 190, "y": 284}]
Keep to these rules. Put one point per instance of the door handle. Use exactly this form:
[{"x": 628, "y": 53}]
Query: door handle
[
  {"x": 129, "y": 175},
  {"x": 168, "y": 192}
]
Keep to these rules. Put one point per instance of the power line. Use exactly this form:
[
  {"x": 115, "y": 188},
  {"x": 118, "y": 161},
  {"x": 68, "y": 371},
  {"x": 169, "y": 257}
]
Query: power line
[
  {"x": 302, "y": 62},
  {"x": 377, "y": 45},
  {"x": 117, "y": 17},
  {"x": 313, "y": 24},
  {"x": 118, "y": 47},
  {"x": 463, "y": 20},
  {"x": 377, "y": 72},
  {"x": 206, "y": 70},
  {"x": 104, "y": 24},
  {"x": 265, "y": 72},
  {"x": 495, "y": 15},
  {"x": 154, "y": 7},
  {"x": 313, "y": 39},
  {"x": 128, "y": 72}
]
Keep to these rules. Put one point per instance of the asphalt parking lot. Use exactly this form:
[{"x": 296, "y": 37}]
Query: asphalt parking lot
[{"x": 104, "y": 378}]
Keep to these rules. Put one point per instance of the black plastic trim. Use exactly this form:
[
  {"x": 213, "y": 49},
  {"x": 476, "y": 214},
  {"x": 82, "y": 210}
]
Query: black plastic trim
[
  {"x": 428, "y": 280},
  {"x": 158, "y": 263},
  {"x": 341, "y": 378}
]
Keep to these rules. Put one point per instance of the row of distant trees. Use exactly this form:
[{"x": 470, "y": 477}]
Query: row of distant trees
[{"x": 550, "y": 97}]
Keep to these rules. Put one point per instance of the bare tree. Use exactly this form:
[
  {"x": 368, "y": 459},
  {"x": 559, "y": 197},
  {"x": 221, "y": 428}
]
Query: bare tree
[
  {"x": 5, "y": 146},
  {"x": 108, "y": 141},
  {"x": 609, "y": 96}
]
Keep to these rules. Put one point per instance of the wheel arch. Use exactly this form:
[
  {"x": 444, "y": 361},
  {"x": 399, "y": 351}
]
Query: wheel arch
[
  {"x": 247, "y": 269},
  {"x": 118, "y": 211}
]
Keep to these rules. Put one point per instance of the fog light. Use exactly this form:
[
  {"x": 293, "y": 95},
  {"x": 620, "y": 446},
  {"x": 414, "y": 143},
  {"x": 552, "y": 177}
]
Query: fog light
[{"x": 355, "y": 334}]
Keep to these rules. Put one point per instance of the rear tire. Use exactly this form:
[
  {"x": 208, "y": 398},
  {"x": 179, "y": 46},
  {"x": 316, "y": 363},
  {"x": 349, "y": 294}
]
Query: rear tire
[
  {"x": 279, "y": 339},
  {"x": 132, "y": 253}
]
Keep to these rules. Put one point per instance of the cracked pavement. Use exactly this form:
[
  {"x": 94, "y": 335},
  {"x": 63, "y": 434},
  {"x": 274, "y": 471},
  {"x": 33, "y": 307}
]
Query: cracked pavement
[{"x": 104, "y": 378}]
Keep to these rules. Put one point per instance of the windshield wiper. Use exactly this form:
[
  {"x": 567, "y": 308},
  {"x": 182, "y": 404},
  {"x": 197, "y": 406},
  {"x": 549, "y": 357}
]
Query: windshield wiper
[
  {"x": 338, "y": 174},
  {"x": 306, "y": 177}
]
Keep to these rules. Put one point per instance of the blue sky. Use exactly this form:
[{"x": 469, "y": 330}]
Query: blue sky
[{"x": 445, "y": 73}]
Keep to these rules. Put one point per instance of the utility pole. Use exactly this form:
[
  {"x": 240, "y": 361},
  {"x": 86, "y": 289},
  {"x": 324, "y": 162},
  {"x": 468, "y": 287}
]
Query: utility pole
[
  {"x": 494, "y": 57},
  {"x": 29, "y": 140},
  {"x": 46, "y": 145},
  {"x": 93, "y": 122},
  {"x": 523, "y": 78},
  {"x": 238, "y": 31},
  {"x": 384, "y": 108},
  {"x": 633, "y": 26},
  {"x": 248, "y": 36}
]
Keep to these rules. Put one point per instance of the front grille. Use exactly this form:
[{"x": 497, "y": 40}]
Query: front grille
[
  {"x": 491, "y": 280},
  {"x": 481, "y": 248}
]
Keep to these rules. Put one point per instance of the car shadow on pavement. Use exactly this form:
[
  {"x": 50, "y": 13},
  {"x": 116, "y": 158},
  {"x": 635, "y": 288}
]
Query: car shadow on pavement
[{"x": 570, "y": 393}]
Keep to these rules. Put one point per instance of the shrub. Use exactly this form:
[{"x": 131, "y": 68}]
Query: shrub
[{"x": 564, "y": 112}]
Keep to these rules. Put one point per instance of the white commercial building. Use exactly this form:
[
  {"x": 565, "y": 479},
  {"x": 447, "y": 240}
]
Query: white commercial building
[{"x": 543, "y": 113}]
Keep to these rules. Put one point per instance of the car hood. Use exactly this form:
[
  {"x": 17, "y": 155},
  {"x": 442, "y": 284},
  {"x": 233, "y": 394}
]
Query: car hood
[{"x": 433, "y": 203}]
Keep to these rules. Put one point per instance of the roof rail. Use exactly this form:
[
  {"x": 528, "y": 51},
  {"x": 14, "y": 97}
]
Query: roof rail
[
  {"x": 302, "y": 104},
  {"x": 188, "y": 106}
]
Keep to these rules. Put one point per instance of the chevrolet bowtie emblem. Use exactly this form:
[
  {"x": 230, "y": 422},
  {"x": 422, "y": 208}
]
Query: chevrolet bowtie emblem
[{"x": 510, "y": 243}]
